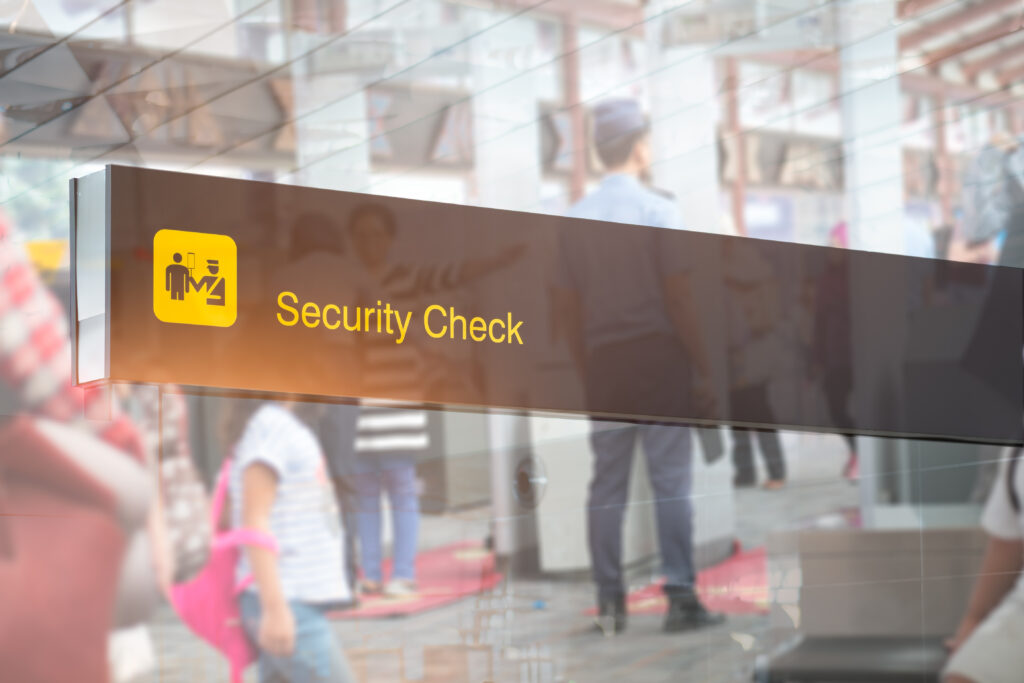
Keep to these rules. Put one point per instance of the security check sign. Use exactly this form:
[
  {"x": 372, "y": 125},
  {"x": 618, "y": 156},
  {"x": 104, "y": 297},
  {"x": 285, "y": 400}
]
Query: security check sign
[{"x": 289, "y": 290}]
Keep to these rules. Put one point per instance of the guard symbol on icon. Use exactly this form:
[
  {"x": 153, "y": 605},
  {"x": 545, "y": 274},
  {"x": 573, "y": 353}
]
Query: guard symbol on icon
[{"x": 212, "y": 283}]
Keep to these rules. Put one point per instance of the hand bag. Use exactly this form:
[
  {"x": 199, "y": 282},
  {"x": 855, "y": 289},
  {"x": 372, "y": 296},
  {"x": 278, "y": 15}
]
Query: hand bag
[{"x": 208, "y": 603}]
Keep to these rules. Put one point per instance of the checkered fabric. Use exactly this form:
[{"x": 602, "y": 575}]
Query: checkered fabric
[{"x": 35, "y": 354}]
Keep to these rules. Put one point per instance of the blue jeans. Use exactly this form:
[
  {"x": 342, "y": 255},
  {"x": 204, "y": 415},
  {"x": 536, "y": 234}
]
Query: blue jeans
[
  {"x": 395, "y": 474},
  {"x": 317, "y": 657},
  {"x": 338, "y": 437},
  {"x": 667, "y": 449}
]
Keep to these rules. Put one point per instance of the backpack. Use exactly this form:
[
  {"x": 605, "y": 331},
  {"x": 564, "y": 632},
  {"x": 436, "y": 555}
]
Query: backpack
[
  {"x": 988, "y": 188},
  {"x": 208, "y": 603}
]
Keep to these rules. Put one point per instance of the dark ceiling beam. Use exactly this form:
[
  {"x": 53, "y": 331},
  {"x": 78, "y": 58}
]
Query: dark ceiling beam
[
  {"x": 604, "y": 13},
  {"x": 918, "y": 81},
  {"x": 1000, "y": 57},
  {"x": 914, "y": 38},
  {"x": 997, "y": 31},
  {"x": 1011, "y": 76},
  {"x": 907, "y": 9}
]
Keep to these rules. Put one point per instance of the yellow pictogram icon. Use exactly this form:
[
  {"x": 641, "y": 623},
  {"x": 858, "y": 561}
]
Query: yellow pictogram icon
[{"x": 195, "y": 278}]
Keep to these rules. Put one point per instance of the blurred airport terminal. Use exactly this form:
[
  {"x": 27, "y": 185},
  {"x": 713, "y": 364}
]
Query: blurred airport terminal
[{"x": 892, "y": 126}]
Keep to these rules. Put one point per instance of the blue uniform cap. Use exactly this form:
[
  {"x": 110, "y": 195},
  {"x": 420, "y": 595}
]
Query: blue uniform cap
[{"x": 617, "y": 118}]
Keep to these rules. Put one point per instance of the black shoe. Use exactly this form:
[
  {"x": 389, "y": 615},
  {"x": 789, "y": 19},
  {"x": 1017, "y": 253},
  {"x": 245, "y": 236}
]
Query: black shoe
[
  {"x": 611, "y": 615},
  {"x": 744, "y": 482},
  {"x": 686, "y": 613}
]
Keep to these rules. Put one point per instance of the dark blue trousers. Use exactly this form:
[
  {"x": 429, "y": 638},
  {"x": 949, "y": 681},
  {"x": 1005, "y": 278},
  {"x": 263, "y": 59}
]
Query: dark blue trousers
[{"x": 648, "y": 371}]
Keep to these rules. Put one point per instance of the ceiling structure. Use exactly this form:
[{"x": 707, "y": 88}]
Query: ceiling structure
[{"x": 80, "y": 95}]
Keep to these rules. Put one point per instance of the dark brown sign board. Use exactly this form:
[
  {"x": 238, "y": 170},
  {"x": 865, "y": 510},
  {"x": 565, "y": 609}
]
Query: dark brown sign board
[{"x": 230, "y": 284}]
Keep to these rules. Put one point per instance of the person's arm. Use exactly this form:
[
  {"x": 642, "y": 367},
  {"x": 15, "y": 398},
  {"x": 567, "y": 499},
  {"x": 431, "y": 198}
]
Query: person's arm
[
  {"x": 474, "y": 269},
  {"x": 569, "y": 317},
  {"x": 683, "y": 314},
  {"x": 277, "y": 624},
  {"x": 162, "y": 555},
  {"x": 999, "y": 572},
  {"x": 679, "y": 298}
]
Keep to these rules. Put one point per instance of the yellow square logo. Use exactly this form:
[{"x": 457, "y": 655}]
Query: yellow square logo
[{"x": 195, "y": 278}]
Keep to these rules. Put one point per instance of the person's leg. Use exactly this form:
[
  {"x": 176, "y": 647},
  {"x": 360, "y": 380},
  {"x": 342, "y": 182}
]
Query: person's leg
[
  {"x": 250, "y": 611},
  {"x": 837, "y": 385},
  {"x": 668, "y": 451},
  {"x": 771, "y": 451},
  {"x": 743, "y": 401},
  {"x": 743, "y": 473},
  {"x": 317, "y": 658},
  {"x": 851, "y": 470},
  {"x": 669, "y": 467},
  {"x": 768, "y": 439},
  {"x": 368, "y": 485},
  {"x": 851, "y": 442},
  {"x": 609, "y": 488},
  {"x": 338, "y": 434},
  {"x": 348, "y": 505},
  {"x": 400, "y": 481}
]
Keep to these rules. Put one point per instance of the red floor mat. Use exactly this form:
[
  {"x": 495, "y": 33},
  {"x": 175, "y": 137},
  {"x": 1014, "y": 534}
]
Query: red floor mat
[
  {"x": 739, "y": 585},
  {"x": 443, "y": 575}
]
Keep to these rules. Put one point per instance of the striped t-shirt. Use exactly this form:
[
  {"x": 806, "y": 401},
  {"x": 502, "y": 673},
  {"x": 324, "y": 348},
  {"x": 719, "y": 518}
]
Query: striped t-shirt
[{"x": 304, "y": 517}]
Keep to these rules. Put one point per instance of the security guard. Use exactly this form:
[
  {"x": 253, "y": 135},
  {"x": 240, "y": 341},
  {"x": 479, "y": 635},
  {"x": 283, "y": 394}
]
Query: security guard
[{"x": 625, "y": 300}]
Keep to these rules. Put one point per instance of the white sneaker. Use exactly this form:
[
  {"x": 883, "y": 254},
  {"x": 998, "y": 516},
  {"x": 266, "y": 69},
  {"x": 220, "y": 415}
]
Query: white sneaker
[{"x": 400, "y": 588}]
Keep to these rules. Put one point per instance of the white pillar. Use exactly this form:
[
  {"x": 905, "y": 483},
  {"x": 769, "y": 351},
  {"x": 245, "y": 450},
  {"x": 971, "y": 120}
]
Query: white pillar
[
  {"x": 506, "y": 129},
  {"x": 873, "y": 166},
  {"x": 871, "y": 112},
  {"x": 331, "y": 131},
  {"x": 506, "y": 175},
  {"x": 683, "y": 131}
]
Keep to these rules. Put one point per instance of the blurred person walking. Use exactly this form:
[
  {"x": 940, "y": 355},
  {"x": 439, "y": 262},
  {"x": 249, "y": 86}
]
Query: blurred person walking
[
  {"x": 631, "y": 328},
  {"x": 280, "y": 486},
  {"x": 754, "y": 310},
  {"x": 63, "y": 586},
  {"x": 832, "y": 345},
  {"x": 986, "y": 647},
  {"x": 389, "y": 441},
  {"x": 1012, "y": 251},
  {"x": 992, "y": 228}
]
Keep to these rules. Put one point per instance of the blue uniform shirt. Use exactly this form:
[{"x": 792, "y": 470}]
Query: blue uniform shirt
[
  {"x": 621, "y": 286},
  {"x": 622, "y": 199}
]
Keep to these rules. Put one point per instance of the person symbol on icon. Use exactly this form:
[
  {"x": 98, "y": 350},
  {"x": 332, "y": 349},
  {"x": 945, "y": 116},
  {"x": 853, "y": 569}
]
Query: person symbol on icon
[
  {"x": 213, "y": 284},
  {"x": 177, "y": 279}
]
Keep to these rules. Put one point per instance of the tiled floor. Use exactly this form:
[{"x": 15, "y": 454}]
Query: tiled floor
[{"x": 532, "y": 630}]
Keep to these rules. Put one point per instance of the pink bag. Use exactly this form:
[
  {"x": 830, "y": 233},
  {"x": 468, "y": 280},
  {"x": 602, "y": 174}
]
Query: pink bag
[{"x": 208, "y": 603}]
